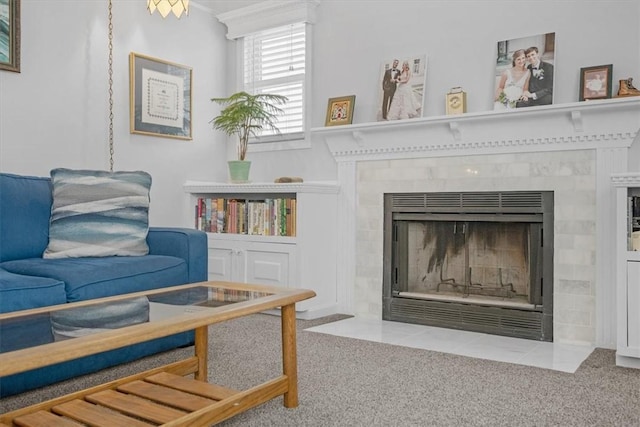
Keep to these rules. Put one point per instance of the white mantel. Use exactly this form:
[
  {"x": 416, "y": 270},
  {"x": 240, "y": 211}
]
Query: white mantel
[
  {"x": 580, "y": 125},
  {"x": 599, "y": 132}
]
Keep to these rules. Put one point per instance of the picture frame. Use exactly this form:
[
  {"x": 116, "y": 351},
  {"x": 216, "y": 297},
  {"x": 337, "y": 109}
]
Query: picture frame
[
  {"x": 160, "y": 97},
  {"x": 10, "y": 35},
  {"x": 340, "y": 110},
  {"x": 524, "y": 72},
  {"x": 401, "y": 83},
  {"x": 596, "y": 82}
]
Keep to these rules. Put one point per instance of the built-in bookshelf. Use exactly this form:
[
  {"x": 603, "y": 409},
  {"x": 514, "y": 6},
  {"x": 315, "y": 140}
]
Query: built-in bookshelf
[
  {"x": 253, "y": 216},
  {"x": 633, "y": 219},
  {"x": 628, "y": 268},
  {"x": 281, "y": 234}
]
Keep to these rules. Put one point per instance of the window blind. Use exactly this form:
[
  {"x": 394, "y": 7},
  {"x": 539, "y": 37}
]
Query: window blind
[{"x": 274, "y": 62}]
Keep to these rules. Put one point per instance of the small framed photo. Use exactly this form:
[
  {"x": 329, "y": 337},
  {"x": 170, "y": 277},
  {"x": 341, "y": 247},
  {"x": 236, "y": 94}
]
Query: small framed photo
[
  {"x": 159, "y": 97},
  {"x": 10, "y": 35},
  {"x": 340, "y": 111},
  {"x": 595, "y": 82}
]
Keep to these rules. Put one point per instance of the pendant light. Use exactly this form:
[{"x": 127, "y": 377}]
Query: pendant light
[{"x": 166, "y": 6}]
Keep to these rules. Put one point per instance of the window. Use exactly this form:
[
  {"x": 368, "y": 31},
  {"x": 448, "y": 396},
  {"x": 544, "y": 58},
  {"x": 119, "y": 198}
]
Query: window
[{"x": 274, "y": 61}]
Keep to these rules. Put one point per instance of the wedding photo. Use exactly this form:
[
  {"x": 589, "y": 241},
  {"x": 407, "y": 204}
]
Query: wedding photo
[
  {"x": 524, "y": 72},
  {"x": 401, "y": 89}
]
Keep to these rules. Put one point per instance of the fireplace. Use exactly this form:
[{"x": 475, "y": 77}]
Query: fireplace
[{"x": 478, "y": 261}]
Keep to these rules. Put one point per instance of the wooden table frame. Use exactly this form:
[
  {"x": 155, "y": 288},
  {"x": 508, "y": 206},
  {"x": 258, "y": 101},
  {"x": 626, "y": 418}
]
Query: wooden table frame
[{"x": 194, "y": 401}]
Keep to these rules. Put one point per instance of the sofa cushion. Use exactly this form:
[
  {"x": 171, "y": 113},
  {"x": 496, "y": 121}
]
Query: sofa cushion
[
  {"x": 19, "y": 292},
  {"x": 25, "y": 208},
  {"x": 98, "y": 213},
  {"x": 96, "y": 277}
]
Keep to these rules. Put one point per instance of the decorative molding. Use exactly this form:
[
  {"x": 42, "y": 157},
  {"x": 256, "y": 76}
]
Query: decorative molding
[
  {"x": 458, "y": 148},
  {"x": 576, "y": 116},
  {"x": 611, "y": 123},
  {"x": 626, "y": 179},
  {"x": 322, "y": 187},
  {"x": 267, "y": 14},
  {"x": 455, "y": 131}
]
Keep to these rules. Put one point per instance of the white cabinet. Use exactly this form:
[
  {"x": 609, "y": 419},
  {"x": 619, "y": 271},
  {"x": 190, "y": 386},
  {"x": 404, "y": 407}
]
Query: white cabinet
[
  {"x": 306, "y": 260},
  {"x": 627, "y": 271},
  {"x": 236, "y": 259},
  {"x": 633, "y": 306}
]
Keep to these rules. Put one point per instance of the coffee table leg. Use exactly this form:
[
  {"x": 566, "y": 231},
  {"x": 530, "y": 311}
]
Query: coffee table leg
[
  {"x": 201, "y": 352},
  {"x": 289, "y": 357}
]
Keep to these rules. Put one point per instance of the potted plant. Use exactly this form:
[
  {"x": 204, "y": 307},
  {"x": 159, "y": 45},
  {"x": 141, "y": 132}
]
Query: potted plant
[{"x": 244, "y": 115}]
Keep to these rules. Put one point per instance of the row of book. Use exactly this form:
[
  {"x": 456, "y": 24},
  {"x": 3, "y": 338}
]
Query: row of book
[{"x": 267, "y": 217}]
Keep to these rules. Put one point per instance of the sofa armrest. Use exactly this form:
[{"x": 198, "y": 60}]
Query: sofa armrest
[{"x": 185, "y": 243}]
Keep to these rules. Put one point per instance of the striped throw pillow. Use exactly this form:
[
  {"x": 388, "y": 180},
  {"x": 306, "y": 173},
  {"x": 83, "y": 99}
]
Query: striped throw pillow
[{"x": 98, "y": 214}]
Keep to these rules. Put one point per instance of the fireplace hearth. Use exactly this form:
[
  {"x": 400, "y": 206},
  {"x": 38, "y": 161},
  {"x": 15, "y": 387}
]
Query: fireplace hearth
[{"x": 479, "y": 261}]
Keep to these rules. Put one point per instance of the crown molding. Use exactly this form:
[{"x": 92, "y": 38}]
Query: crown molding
[{"x": 267, "y": 14}]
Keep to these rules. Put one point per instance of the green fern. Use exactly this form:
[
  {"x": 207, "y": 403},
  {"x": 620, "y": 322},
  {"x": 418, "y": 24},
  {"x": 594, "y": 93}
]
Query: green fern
[{"x": 245, "y": 115}]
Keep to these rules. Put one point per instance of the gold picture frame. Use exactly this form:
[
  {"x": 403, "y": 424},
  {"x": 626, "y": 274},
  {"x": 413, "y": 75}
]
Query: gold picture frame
[
  {"x": 159, "y": 97},
  {"x": 10, "y": 36},
  {"x": 340, "y": 111},
  {"x": 596, "y": 82}
]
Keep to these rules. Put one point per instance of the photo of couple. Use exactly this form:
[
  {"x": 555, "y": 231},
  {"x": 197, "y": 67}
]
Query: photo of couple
[
  {"x": 524, "y": 72},
  {"x": 402, "y": 88}
]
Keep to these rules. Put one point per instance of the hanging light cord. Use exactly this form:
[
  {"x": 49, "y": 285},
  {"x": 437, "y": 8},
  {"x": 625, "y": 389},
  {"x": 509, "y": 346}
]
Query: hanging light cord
[{"x": 110, "y": 88}]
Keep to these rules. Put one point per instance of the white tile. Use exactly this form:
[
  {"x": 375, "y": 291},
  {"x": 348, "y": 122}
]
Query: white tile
[{"x": 559, "y": 357}]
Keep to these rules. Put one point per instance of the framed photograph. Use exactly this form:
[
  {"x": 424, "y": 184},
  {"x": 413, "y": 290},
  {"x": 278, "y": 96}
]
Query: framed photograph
[
  {"x": 10, "y": 35},
  {"x": 595, "y": 82},
  {"x": 401, "y": 88},
  {"x": 524, "y": 72},
  {"x": 340, "y": 111},
  {"x": 159, "y": 97}
]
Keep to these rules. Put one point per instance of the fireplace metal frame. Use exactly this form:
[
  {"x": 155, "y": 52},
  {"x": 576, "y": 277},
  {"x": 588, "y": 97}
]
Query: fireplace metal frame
[{"x": 522, "y": 206}]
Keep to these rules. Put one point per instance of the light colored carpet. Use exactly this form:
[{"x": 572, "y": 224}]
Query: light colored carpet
[{"x": 349, "y": 382}]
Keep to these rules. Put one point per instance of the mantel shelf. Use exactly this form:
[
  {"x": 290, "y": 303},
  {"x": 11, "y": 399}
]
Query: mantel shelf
[
  {"x": 581, "y": 125},
  {"x": 574, "y": 110}
]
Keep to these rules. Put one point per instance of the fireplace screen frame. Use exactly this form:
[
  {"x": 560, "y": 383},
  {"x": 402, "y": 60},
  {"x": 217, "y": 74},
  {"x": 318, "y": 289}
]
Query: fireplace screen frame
[{"x": 533, "y": 207}]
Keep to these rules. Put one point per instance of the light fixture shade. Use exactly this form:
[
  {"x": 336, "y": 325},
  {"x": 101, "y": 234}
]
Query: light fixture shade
[{"x": 166, "y": 6}]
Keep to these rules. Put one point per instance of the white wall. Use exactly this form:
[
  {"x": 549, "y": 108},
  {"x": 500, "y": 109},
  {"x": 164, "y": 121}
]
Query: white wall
[
  {"x": 55, "y": 112},
  {"x": 352, "y": 37}
]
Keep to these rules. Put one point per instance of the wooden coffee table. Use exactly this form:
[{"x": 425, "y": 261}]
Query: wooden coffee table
[{"x": 176, "y": 394}]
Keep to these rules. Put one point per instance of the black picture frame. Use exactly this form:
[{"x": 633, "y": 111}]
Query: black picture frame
[
  {"x": 160, "y": 97},
  {"x": 596, "y": 82},
  {"x": 10, "y": 36}
]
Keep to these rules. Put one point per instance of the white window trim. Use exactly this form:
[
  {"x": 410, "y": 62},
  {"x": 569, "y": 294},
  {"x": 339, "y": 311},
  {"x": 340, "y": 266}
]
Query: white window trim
[
  {"x": 263, "y": 16},
  {"x": 268, "y": 14}
]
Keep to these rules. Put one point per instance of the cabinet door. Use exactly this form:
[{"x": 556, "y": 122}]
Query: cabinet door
[
  {"x": 268, "y": 266},
  {"x": 633, "y": 305},
  {"x": 221, "y": 264}
]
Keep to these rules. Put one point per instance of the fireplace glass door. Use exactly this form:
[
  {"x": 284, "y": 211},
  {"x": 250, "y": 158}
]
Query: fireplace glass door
[
  {"x": 490, "y": 262},
  {"x": 474, "y": 261}
]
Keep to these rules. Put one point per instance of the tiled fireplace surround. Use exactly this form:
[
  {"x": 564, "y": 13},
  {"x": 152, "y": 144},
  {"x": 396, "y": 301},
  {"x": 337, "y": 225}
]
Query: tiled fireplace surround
[{"x": 570, "y": 149}]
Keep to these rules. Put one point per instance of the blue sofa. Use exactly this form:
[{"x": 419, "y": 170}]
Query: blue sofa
[{"x": 27, "y": 280}]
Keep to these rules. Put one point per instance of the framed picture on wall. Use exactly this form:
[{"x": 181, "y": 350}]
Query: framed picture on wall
[
  {"x": 401, "y": 89},
  {"x": 10, "y": 35},
  {"x": 160, "y": 97},
  {"x": 524, "y": 72},
  {"x": 340, "y": 111},
  {"x": 595, "y": 82}
]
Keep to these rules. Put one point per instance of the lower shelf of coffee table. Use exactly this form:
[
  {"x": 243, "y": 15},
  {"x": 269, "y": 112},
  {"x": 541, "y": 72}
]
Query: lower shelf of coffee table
[{"x": 156, "y": 397}]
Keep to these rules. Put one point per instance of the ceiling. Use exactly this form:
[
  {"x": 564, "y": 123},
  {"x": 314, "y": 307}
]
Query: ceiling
[{"x": 222, "y": 6}]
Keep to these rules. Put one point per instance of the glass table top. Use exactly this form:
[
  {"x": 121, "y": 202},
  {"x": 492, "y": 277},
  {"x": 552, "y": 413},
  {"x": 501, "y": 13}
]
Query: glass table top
[{"x": 20, "y": 330}]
